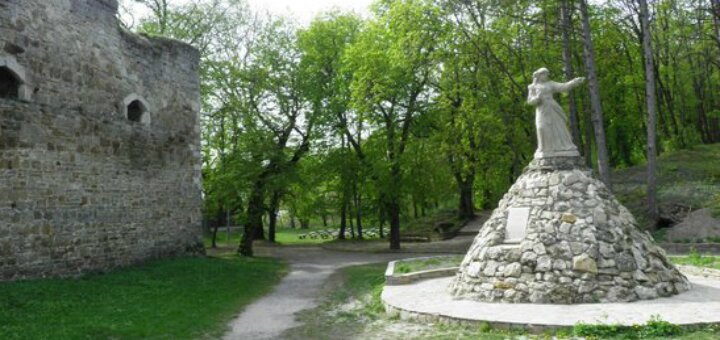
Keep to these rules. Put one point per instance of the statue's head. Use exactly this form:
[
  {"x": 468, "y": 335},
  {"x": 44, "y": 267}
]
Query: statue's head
[{"x": 541, "y": 75}]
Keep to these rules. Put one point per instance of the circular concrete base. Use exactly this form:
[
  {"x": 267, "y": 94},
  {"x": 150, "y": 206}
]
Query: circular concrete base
[{"x": 430, "y": 301}]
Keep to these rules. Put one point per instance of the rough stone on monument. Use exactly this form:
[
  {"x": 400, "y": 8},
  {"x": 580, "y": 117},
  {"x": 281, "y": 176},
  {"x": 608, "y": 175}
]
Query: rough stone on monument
[{"x": 580, "y": 245}]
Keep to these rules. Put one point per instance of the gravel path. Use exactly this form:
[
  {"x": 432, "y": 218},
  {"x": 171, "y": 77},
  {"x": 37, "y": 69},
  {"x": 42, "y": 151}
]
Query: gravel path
[{"x": 310, "y": 267}]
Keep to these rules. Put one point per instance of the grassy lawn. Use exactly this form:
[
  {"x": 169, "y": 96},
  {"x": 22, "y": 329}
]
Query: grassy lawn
[
  {"x": 699, "y": 260},
  {"x": 353, "y": 306},
  {"x": 185, "y": 298},
  {"x": 291, "y": 236},
  {"x": 285, "y": 236}
]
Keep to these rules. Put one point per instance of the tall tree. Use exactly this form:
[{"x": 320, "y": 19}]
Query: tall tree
[
  {"x": 394, "y": 60},
  {"x": 567, "y": 27},
  {"x": 650, "y": 102},
  {"x": 597, "y": 116},
  {"x": 278, "y": 119}
]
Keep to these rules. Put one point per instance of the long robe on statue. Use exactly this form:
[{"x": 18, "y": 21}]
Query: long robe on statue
[{"x": 553, "y": 135}]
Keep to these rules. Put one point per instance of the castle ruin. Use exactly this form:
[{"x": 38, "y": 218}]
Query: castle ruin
[{"x": 100, "y": 160}]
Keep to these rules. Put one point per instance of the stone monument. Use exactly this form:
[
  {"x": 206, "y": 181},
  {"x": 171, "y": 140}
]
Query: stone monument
[{"x": 559, "y": 236}]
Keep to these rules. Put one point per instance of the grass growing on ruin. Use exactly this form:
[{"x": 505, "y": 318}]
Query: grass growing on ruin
[{"x": 184, "y": 298}]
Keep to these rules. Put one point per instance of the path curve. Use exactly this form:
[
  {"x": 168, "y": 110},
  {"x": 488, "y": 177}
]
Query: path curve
[{"x": 310, "y": 267}]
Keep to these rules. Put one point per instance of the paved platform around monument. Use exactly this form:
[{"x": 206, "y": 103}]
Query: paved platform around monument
[{"x": 430, "y": 301}]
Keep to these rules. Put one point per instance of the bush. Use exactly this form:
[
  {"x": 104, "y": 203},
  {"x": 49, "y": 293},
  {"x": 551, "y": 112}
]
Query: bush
[{"x": 654, "y": 328}]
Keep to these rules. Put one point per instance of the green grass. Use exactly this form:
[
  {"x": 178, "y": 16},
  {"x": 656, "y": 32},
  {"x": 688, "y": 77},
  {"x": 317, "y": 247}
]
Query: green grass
[
  {"x": 291, "y": 236},
  {"x": 186, "y": 298},
  {"x": 285, "y": 236},
  {"x": 686, "y": 178},
  {"x": 361, "y": 286},
  {"x": 223, "y": 239},
  {"x": 411, "y": 266},
  {"x": 696, "y": 259}
]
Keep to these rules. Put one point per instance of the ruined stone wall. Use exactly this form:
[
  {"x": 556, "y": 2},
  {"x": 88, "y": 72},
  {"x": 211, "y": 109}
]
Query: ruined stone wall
[{"x": 82, "y": 188}]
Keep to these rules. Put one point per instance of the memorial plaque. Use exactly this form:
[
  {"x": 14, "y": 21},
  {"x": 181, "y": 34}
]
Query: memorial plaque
[{"x": 516, "y": 224}]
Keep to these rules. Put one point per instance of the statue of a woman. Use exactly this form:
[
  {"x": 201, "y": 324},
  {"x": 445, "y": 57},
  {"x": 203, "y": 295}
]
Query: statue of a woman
[{"x": 554, "y": 138}]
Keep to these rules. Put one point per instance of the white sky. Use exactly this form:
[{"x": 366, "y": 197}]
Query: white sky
[
  {"x": 305, "y": 11},
  {"x": 302, "y": 10}
]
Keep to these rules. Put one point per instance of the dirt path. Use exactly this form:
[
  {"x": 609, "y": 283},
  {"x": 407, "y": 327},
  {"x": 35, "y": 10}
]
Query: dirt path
[{"x": 310, "y": 267}]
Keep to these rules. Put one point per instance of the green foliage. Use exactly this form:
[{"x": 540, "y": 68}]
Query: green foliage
[
  {"x": 400, "y": 112},
  {"x": 654, "y": 328},
  {"x": 186, "y": 298}
]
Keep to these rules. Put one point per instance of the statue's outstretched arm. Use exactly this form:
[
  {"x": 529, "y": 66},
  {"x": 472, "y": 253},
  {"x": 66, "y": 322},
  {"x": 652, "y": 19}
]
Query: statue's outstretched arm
[{"x": 566, "y": 87}]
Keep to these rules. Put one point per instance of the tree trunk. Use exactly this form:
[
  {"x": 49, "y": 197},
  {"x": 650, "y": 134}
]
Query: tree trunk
[
  {"x": 254, "y": 219},
  {"x": 358, "y": 212},
  {"x": 382, "y": 228},
  {"x": 716, "y": 25},
  {"x": 650, "y": 101},
  {"x": 324, "y": 220},
  {"x": 597, "y": 114},
  {"x": 343, "y": 220},
  {"x": 304, "y": 223},
  {"x": 216, "y": 226},
  {"x": 394, "y": 211},
  {"x": 466, "y": 210},
  {"x": 566, "y": 17},
  {"x": 273, "y": 211}
]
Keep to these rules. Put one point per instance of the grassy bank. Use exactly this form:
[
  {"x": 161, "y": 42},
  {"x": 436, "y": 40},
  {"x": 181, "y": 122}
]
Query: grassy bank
[
  {"x": 185, "y": 298},
  {"x": 695, "y": 259},
  {"x": 687, "y": 179}
]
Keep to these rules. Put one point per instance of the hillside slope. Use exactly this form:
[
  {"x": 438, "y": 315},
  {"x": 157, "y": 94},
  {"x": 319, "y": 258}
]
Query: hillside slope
[{"x": 688, "y": 180}]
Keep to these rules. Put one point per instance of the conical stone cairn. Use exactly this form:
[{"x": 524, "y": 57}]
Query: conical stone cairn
[{"x": 559, "y": 236}]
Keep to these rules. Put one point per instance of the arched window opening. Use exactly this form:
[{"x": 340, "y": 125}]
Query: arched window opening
[
  {"x": 9, "y": 84},
  {"x": 135, "y": 111}
]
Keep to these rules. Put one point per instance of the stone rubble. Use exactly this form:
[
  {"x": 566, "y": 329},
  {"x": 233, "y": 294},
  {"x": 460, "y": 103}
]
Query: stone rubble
[{"x": 581, "y": 245}]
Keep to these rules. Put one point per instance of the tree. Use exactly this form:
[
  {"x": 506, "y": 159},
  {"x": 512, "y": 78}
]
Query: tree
[
  {"x": 597, "y": 112},
  {"x": 394, "y": 59},
  {"x": 324, "y": 45},
  {"x": 161, "y": 15},
  {"x": 421, "y": 105},
  {"x": 278, "y": 119},
  {"x": 650, "y": 102},
  {"x": 566, "y": 23}
]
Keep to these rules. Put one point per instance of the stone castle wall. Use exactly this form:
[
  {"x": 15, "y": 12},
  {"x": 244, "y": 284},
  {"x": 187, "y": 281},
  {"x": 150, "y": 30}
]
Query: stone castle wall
[{"x": 83, "y": 188}]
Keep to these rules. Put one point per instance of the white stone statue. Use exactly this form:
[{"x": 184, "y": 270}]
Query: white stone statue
[{"x": 554, "y": 139}]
